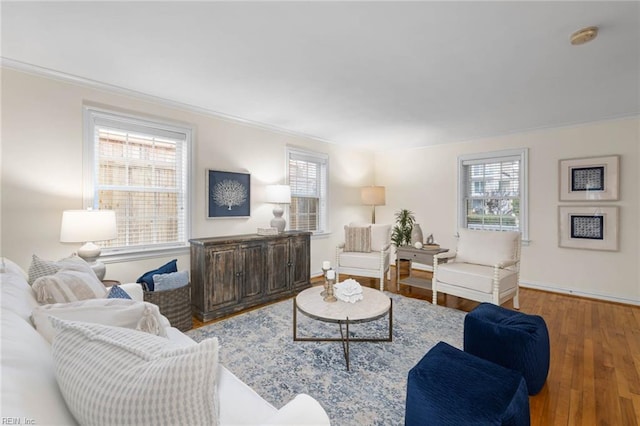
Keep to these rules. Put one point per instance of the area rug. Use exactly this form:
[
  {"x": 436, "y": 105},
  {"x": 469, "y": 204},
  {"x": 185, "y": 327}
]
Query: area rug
[{"x": 258, "y": 347}]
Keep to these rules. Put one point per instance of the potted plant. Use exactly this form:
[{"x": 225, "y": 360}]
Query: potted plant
[{"x": 401, "y": 234}]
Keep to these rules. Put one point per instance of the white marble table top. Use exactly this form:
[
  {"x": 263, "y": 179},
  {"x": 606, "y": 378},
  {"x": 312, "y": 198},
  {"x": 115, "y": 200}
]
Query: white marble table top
[{"x": 373, "y": 304}]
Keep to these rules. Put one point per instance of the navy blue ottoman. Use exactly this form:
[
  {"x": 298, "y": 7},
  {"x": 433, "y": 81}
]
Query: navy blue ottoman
[
  {"x": 512, "y": 339},
  {"x": 451, "y": 387}
]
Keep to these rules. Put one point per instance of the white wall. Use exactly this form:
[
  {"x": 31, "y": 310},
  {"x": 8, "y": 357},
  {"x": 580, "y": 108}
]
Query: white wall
[
  {"x": 425, "y": 181},
  {"x": 41, "y": 175}
]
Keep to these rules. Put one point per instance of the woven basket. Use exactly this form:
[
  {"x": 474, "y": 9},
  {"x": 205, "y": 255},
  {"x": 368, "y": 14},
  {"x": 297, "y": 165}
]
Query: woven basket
[{"x": 175, "y": 305}]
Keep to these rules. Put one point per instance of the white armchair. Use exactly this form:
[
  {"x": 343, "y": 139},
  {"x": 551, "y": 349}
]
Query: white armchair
[
  {"x": 365, "y": 252},
  {"x": 485, "y": 267}
]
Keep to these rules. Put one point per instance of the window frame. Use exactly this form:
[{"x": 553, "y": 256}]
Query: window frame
[
  {"x": 495, "y": 157},
  {"x": 91, "y": 116},
  {"x": 323, "y": 159}
]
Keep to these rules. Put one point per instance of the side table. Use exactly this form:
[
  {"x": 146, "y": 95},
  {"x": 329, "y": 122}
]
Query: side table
[{"x": 412, "y": 254}]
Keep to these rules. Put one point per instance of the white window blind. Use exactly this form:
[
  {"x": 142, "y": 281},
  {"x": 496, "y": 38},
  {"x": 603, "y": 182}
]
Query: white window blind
[
  {"x": 140, "y": 170},
  {"x": 492, "y": 191},
  {"x": 307, "y": 176}
]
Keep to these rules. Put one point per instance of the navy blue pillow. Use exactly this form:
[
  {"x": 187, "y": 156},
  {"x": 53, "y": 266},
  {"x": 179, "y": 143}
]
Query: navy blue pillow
[
  {"x": 117, "y": 293},
  {"x": 147, "y": 278}
]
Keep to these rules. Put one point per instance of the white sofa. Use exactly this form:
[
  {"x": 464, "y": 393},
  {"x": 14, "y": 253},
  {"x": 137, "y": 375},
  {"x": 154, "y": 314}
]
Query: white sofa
[{"x": 30, "y": 392}]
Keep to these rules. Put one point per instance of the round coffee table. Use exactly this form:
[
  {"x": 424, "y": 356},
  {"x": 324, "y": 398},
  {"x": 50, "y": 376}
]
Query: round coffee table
[{"x": 374, "y": 304}]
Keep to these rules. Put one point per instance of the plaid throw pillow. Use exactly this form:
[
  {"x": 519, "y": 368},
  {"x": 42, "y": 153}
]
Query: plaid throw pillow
[
  {"x": 357, "y": 238},
  {"x": 117, "y": 376},
  {"x": 41, "y": 268}
]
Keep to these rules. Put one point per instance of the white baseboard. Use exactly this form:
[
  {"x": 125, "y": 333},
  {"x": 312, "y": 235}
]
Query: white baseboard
[{"x": 591, "y": 295}]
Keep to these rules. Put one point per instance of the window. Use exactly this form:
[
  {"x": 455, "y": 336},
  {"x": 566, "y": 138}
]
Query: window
[
  {"x": 139, "y": 169},
  {"x": 307, "y": 175},
  {"x": 493, "y": 191}
]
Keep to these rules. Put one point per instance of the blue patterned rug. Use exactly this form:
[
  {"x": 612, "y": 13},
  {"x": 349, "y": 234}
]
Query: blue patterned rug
[{"x": 258, "y": 347}]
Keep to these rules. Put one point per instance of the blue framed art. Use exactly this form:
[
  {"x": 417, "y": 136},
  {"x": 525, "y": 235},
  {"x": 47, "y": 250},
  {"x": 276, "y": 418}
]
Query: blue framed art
[{"x": 228, "y": 194}]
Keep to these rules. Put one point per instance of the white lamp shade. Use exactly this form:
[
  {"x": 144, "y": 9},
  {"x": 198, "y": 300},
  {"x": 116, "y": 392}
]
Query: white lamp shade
[
  {"x": 373, "y": 195},
  {"x": 278, "y": 194},
  {"x": 80, "y": 226}
]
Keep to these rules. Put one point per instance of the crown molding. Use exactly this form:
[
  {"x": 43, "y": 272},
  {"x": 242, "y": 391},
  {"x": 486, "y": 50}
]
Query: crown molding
[{"x": 94, "y": 84}]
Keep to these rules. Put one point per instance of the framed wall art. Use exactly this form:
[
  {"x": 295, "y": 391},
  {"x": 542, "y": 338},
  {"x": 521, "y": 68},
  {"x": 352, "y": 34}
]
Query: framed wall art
[
  {"x": 589, "y": 179},
  {"x": 228, "y": 194},
  {"x": 592, "y": 227}
]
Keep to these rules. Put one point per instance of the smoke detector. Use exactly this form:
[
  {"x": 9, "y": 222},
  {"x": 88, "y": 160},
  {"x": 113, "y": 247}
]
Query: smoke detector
[{"x": 584, "y": 35}]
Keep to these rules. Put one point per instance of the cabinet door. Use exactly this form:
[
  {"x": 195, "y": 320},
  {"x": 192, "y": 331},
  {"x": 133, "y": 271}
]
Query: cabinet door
[
  {"x": 220, "y": 277},
  {"x": 299, "y": 263},
  {"x": 277, "y": 266},
  {"x": 250, "y": 270}
]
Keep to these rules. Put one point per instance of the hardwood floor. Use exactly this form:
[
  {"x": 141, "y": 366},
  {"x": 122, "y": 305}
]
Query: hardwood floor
[{"x": 594, "y": 378}]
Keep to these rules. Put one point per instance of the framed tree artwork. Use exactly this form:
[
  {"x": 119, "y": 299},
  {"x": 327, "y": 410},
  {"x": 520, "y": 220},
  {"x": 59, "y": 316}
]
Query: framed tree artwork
[
  {"x": 228, "y": 194},
  {"x": 589, "y": 179}
]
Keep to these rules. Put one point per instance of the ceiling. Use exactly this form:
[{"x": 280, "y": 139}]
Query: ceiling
[{"x": 380, "y": 75}]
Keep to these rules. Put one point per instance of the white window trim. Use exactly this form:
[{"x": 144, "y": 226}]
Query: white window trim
[
  {"x": 90, "y": 114},
  {"x": 319, "y": 155},
  {"x": 523, "y": 153}
]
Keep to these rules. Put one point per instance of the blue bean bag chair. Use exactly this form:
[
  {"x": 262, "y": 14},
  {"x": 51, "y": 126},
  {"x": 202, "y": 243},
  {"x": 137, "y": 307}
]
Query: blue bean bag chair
[
  {"x": 511, "y": 339},
  {"x": 452, "y": 387}
]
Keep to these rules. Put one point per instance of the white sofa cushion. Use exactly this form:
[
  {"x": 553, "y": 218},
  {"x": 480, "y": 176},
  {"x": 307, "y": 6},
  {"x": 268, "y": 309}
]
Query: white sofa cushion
[
  {"x": 112, "y": 375},
  {"x": 74, "y": 281},
  {"x": 475, "y": 277},
  {"x": 302, "y": 410},
  {"x": 9, "y": 266},
  {"x": 235, "y": 397},
  {"x": 17, "y": 295},
  {"x": 127, "y": 313},
  {"x": 487, "y": 247},
  {"x": 380, "y": 235},
  {"x": 29, "y": 386}
]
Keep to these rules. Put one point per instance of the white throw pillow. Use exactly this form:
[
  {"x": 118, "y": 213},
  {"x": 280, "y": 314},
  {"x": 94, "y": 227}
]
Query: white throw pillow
[
  {"x": 74, "y": 281},
  {"x": 116, "y": 376},
  {"x": 125, "y": 313}
]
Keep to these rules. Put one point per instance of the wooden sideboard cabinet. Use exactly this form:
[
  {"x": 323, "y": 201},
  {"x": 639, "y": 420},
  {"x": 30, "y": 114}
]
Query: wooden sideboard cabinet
[{"x": 230, "y": 274}]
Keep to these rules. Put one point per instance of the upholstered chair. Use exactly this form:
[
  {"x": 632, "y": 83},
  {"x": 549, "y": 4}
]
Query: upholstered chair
[
  {"x": 485, "y": 267},
  {"x": 365, "y": 252}
]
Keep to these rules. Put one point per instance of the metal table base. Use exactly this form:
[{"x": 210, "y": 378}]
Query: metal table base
[{"x": 345, "y": 339}]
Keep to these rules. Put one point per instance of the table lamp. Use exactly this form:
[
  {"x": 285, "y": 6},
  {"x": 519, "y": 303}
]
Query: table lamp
[
  {"x": 373, "y": 196},
  {"x": 87, "y": 226},
  {"x": 278, "y": 194}
]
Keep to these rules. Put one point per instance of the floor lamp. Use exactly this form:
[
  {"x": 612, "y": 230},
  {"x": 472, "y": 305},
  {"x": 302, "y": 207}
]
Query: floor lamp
[{"x": 373, "y": 196}]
